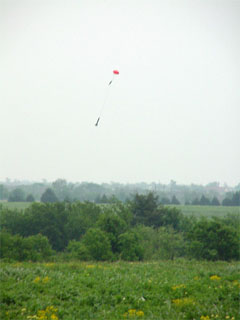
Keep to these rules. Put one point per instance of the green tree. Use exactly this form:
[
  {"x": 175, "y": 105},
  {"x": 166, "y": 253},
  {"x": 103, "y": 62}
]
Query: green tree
[
  {"x": 175, "y": 200},
  {"x": 97, "y": 244},
  {"x": 215, "y": 202},
  {"x": 49, "y": 219},
  {"x": 142, "y": 207},
  {"x": 213, "y": 240},
  {"x": 204, "y": 201},
  {"x": 113, "y": 226},
  {"x": 165, "y": 201},
  {"x": 169, "y": 243},
  {"x": 3, "y": 192},
  {"x": 17, "y": 195},
  {"x": 62, "y": 189},
  {"x": 130, "y": 246},
  {"x": 227, "y": 202},
  {"x": 30, "y": 198},
  {"x": 49, "y": 196},
  {"x": 34, "y": 248},
  {"x": 236, "y": 199},
  {"x": 78, "y": 250},
  {"x": 81, "y": 216}
]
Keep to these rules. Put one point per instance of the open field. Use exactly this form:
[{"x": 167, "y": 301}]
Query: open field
[
  {"x": 15, "y": 205},
  {"x": 198, "y": 211},
  {"x": 162, "y": 290},
  {"x": 207, "y": 211}
]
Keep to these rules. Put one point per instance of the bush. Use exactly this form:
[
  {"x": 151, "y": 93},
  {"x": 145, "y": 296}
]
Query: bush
[
  {"x": 97, "y": 244},
  {"x": 78, "y": 250},
  {"x": 131, "y": 249},
  {"x": 113, "y": 226},
  {"x": 34, "y": 248},
  {"x": 213, "y": 240}
]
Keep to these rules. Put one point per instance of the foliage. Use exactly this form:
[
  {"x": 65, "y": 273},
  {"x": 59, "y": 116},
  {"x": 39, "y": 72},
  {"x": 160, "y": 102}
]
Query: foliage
[
  {"x": 78, "y": 250},
  {"x": 232, "y": 199},
  {"x": 81, "y": 216},
  {"x": 3, "y": 192},
  {"x": 165, "y": 233},
  {"x": 30, "y": 198},
  {"x": 97, "y": 244},
  {"x": 15, "y": 247},
  {"x": 16, "y": 195},
  {"x": 165, "y": 290},
  {"x": 49, "y": 196},
  {"x": 143, "y": 206},
  {"x": 147, "y": 212},
  {"x": 130, "y": 247},
  {"x": 113, "y": 226},
  {"x": 213, "y": 240}
]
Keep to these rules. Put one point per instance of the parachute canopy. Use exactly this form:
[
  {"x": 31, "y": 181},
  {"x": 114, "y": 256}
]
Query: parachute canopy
[{"x": 115, "y": 71}]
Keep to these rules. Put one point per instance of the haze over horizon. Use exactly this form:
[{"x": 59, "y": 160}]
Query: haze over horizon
[{"x": 173, "y": 112}]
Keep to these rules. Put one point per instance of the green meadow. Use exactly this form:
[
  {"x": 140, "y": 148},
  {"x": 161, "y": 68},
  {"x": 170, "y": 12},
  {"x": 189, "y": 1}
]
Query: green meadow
[
  {"x": 198, "y": 211},
  {"x": 15, "y": 205},
  {"x": 207, "y": 211},
  {"x": 166, "y": 290}
]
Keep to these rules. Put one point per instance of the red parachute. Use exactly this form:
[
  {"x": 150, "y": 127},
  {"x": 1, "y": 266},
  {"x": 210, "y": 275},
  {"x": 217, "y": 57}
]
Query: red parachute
[{"x": 115, "y": 71}]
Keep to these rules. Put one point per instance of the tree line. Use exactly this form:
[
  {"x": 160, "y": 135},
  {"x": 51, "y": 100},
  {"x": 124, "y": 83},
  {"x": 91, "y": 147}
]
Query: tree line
[
  {"x": 49, "y": 195},
  {"x": 134, "y": 231}
]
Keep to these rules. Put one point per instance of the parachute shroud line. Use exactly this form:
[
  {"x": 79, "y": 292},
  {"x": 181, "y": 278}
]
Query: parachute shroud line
[{"x": 115, "y": 72}]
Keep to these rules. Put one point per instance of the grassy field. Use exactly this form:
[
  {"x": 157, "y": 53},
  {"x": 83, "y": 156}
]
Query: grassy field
[
  {"x": 166, "y": 290},
  {"x": 207, "y": 211},
  {"x": 15, "y": 205},
  {"x": 199, "y": 211}
]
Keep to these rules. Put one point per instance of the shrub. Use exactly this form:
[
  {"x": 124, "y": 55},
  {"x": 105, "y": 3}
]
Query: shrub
[
  {"x": 97, "y": 244},
  {"x": 78, "y": 250},
  {"x": 131, "y": 249},
  {"x": 213, "y": 240},
  {"x": 34, "y": 248}
]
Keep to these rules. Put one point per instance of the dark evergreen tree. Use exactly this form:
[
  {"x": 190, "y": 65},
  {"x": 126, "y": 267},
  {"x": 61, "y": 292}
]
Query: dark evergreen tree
[
  {"x": 175, "y": 200},
  {"x": 204, "y": 201},
  {"x": 165, "y": 200},
  {"x": 49, "y": 196},
  {"x": 227, "y": 202},
  {"x": 30, "y": 198},
  {"x": 236, "y": 199},
  {"x": 215, "y": 202}
]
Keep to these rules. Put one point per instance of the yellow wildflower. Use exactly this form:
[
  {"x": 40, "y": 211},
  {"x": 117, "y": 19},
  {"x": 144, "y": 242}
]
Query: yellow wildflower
[
  {"x": 215, "y": 277},
  {"x": 140, "y": 313},
  {"x": 183, "y": 301},
  {"x": 46, "y": 279},
  {"x": 54, "y": 317},
  {"x": 37, "y": 279},
  {"x": 132, "y": 312},
  {"x": 49, "y": 264},
  {"x": 178, "y": 287},
  {"x": 204, "y": 318}
]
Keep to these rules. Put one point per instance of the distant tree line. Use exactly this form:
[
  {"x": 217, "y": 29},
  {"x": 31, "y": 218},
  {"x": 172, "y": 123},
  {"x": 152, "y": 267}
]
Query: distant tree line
[
  {"x": 60, "y": 192},
  {"x": 134, "y": 231}
]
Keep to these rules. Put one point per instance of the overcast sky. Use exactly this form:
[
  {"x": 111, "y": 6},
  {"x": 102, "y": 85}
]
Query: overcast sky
[{"x": 172, "y": 113}]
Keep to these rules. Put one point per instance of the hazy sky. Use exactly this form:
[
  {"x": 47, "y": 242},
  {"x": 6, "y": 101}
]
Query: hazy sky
[{"x": 173, "y": 112}]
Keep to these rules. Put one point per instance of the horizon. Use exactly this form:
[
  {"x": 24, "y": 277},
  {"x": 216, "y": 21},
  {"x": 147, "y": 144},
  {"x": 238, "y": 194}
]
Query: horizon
[{"x": 22, "y": 181}]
